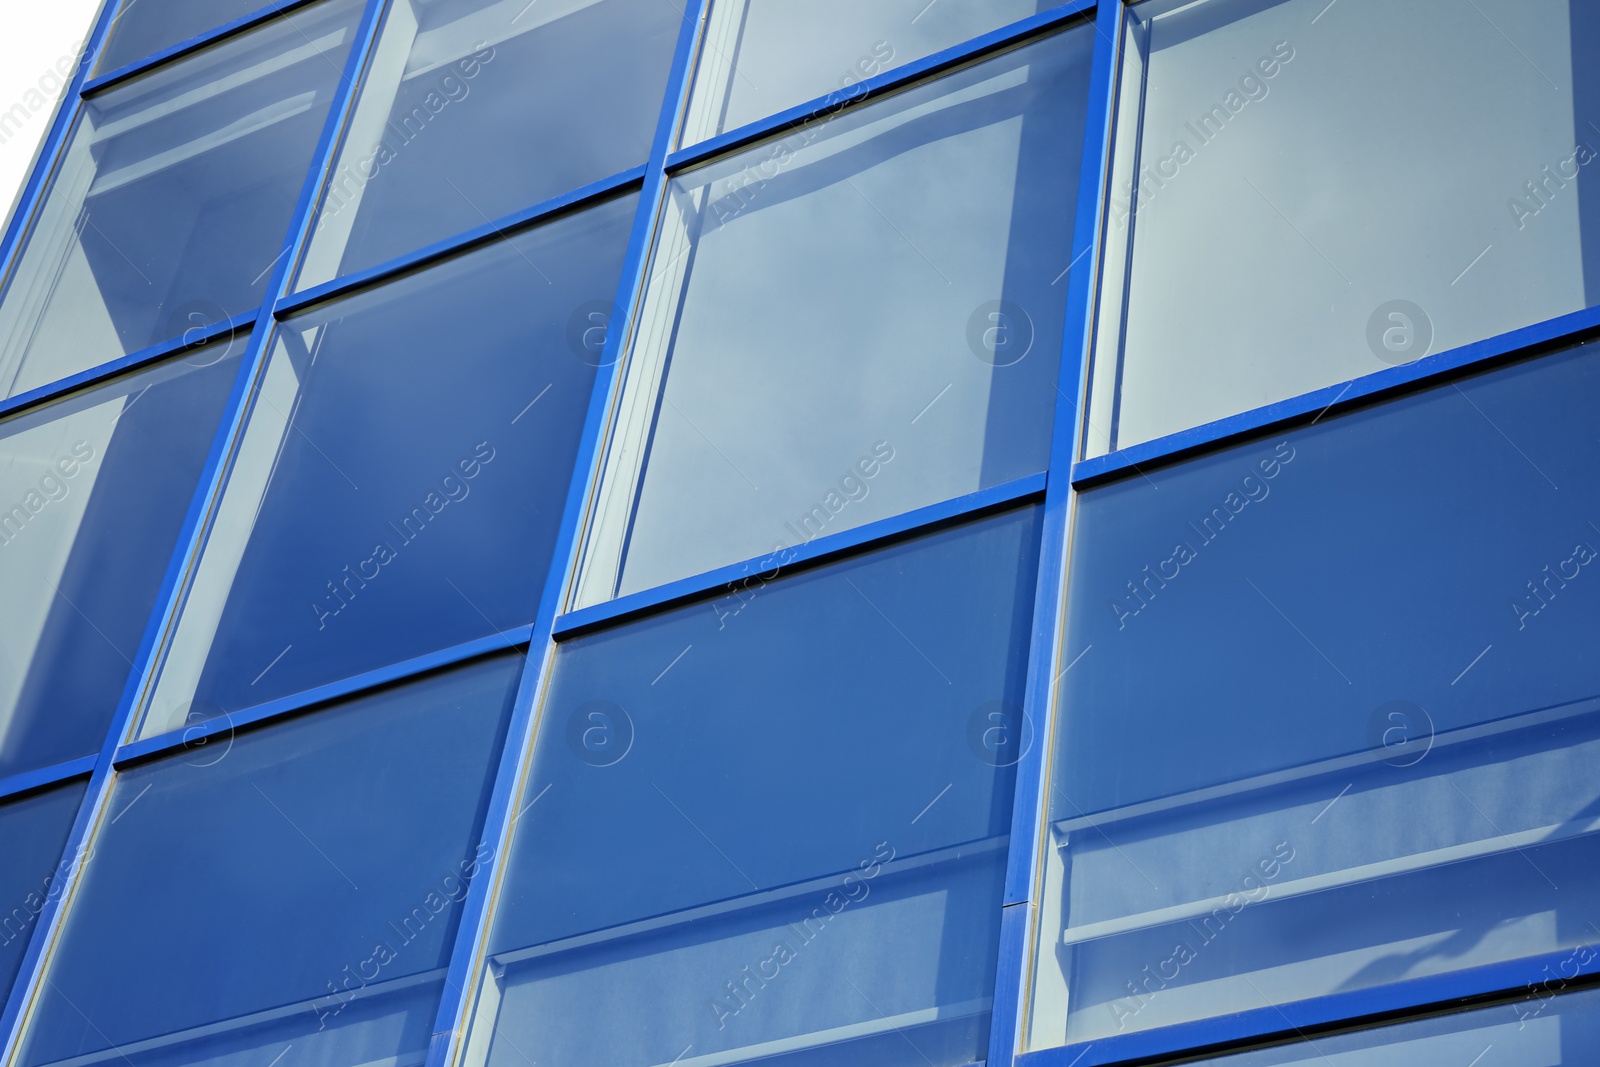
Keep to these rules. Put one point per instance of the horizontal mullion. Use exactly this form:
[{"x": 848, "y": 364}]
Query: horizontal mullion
[
  {"x": 1430, "y": 371},
  {"x": 889, "y": 81},
  {"x": 177, "y": 1040},
  {"x": 193, "y": 44},
  {"x": 1357, "y": 1009},
  {"x": 202, "y": 733},
  {"x": 28, "y": 781},
  {"x": 505, "y": 227},
  {"x": 1365, "y": 874},
  {"x": 746, "y": 903},
  {"x": 808, "y": 554},
  {"x": 1344, "y": 766},
  {"x": 192, "y": 338}
]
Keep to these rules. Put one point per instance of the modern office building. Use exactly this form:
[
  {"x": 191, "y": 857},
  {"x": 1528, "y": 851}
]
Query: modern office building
[{"x": 629, "y": 533}]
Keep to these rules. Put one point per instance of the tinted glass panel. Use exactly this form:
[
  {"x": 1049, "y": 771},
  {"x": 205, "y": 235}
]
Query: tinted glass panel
[
  {"x": 93, "y": 493},
  {"x": 401, "y": 482},
  {"x": 1546, "y": 1031},
  {"x": 1335, "y": 718},
  {"x": 478, "y": 108},
  {"x": 762, "y": 56},
  {"x": 325, "y": 858},
  {"x": 144, "y": 27},
  {"x": 1276, "y": 225},
  {"x": 774, "y": 824},
  {"x": 172, "y": 199},
  {"x": 33, "y": 835},
  {"x": 853, "y": 322}
]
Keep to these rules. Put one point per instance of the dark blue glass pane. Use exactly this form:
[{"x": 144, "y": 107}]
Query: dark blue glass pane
[
  {"x": 400, "y": 485},
  {"x": 288, "y": 893},
  {"x": 813, "y": 779},
  {"x": 144, "y": 27},
  {"x": 33, "y": 870},
  {"x": 93, "y": 493},
  {"x": 1545, "y": 1030},
  {"x": 860, "y": 319},
  {"x": 1336, "y": 713},
  {"x": 479, "y": 108},
  {"x": 172, "y": 199}
]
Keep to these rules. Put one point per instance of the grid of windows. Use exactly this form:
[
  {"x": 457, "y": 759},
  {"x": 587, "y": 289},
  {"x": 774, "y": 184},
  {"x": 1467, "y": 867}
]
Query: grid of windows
[{"x": 731, "y": 532}]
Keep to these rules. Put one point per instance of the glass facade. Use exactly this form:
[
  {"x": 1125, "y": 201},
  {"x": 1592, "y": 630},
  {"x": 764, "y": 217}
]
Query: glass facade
[
  {"x": 1228, "y": 876},
  {"x": 172, "y": 199},
  {"x": 399, "y": 485},
  {"x": 689, "y": 533},
  {"x": 97, "y": 484},
  {"x": 477, "y": 109},
  {"x": 820, "y": 918},
  {"x": 364, "y": 825},
  {"x": 1243, "y": 267},
  {"x": 927, "y": 224}
]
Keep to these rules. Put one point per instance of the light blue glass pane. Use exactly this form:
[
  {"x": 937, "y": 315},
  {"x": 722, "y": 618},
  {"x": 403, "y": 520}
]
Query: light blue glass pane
[
  {"x": 400, "y": 485},
  {"x": 475, "y": 109},
  {"x": 775, "y": 822},
  {"x": 1276, "y": 225},
  {"x": 94, "y": 489},
  {"x": 1546, "y": 1030},
  {"x": 144, "y": 27},
  {"x": 762, "y": 56},
  {"x": 855, "y": 321},
  {"x": 33, "y": 835},
  {"x": 323, "y": 859},
  {"x": 1333, "y": 711},
  {"x": 172, "y": 199}
]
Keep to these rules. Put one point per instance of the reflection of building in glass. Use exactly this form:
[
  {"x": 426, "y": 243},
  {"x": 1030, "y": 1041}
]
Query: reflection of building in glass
[{"x": 871, "y": 532}]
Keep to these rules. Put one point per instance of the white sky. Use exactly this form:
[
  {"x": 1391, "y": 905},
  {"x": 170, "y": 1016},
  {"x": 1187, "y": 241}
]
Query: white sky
[{"x": 34, "y": 35}]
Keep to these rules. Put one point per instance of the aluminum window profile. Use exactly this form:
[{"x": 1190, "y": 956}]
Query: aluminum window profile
[
  {"x": 23, "y": 996},
  {"x": 1058, "y": 492}
]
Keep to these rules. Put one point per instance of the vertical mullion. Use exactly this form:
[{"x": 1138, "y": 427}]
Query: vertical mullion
[
  {"x": 1046, "y": 653},
  {"x": 24, "y": 993},
  {"x": 472, "y": 935},
  {"x": 50, "y": 149}
]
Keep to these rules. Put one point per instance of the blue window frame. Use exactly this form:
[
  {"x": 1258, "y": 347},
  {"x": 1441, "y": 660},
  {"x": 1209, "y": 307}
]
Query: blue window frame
[
  {"x": 1543, "y": 1027},
  {"x": 147, "y": 233},
  {"x": 147, "y": 29},
  {"x": 399, "y": 486},
  {"x": 1519, "y": 303},
  {"x": 1306, "y": 593},
  {"x": 1244, "y": 151},
  {"x": 480, "y": 108},
  {"x": 933, "y": 373},
  {"x": 762, "y": 57},
  {"x": 824, "y": 819},
  {"x": 95, "y": 489},
  {"x": 351, "y": 859}
]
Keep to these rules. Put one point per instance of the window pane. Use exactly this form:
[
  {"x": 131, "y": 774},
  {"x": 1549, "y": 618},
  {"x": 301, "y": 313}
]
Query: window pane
[
  {"x": 292, "y": 895},
  {"x": 1291, "y": 227},
  {"x": 33, "y": 835},
  {"x": 813, "y": 784},
  {"x": 93, "y": 493},
  {"x": 476, "y": 110},
  {"x": 172, "y": 199},
  {"x": 1335, "y": 719},
  {"x": 400, "y": 485},
  {"x": 1549, "y": 1031},
  {"x": 856, "y": 321},
  {"x": 144, "y": 27},
  {"x": 762, "y": 56}
]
